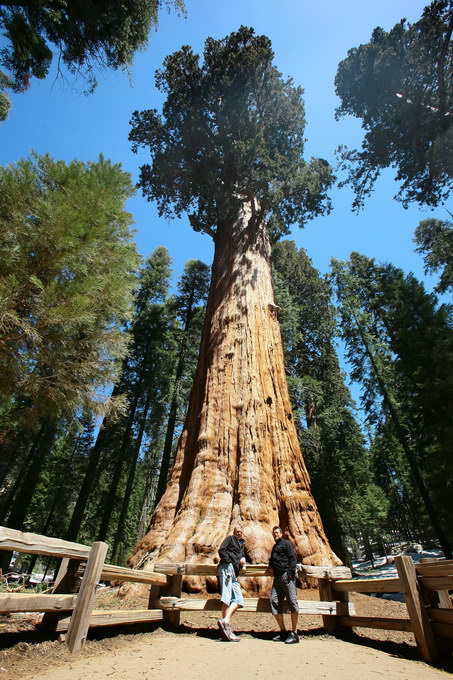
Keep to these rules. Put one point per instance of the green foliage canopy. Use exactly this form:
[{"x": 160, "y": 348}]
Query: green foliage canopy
[
  {"x": 400, "y": 84},
  {"x": 434, "y": 239},
  {"x": 400, "y": 346},
  {"x": 66, "y": 279},
  {"x": 230, "y": 128},
  {"x": 86, "y": 35}
]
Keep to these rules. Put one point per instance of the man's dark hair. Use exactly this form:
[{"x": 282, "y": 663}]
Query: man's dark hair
[{"x": 279, "y": 528}]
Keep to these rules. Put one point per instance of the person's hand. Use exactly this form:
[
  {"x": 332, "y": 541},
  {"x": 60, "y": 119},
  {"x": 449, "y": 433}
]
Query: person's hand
[{"x": 242, "y": 562}]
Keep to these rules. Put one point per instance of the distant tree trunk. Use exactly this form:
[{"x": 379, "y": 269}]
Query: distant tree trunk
[
  {"x": 121, "y": 457},
  {"x": 238, "y": 459},
  {"x": 43, "y": 529},
  {"x": 90, "y": 476},
  {"x": 171, "y": 423},
  {"x": 7, "y": 503},
  {"x": 148, "y": 500},
  {"x": 9, "y": 456},
  {"x": 30, "y": 480},
  {"x": 410, "y": 456},
  {"x": 23, "y": 497},
  {"x": 367, "y": 548},
  {"x": 117, "y": 548}
]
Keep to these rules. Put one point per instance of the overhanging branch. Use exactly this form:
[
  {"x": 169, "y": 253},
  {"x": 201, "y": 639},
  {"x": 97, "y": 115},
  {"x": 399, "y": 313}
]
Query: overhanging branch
[{"x": 199, "y": 226}]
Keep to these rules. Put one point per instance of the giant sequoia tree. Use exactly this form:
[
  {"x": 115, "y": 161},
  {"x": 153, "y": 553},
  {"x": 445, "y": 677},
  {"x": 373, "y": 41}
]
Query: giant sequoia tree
[{"x": 228, "y": 149}]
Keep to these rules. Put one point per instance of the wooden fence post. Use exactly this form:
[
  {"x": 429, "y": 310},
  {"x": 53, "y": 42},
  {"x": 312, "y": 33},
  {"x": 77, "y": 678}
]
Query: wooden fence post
[
  {"x": 421, "y": 626},
  {"x": 65, "y": 582},
  {"x": 443, "y": 596},
  {"x": 325, "y": 593},
  {"x": 172, "y": 589},
  {"x": 328, "y": 593},
  {"x": 175, "y": 589},
  {"x": 80, "y": 619}
]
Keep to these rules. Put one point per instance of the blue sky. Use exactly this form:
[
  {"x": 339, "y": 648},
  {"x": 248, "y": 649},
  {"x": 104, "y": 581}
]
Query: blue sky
[{"x": 309, "y": 40}]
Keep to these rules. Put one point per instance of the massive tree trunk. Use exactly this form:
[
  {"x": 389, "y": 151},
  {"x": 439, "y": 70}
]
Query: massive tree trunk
[{"x": 238, "y": 459}]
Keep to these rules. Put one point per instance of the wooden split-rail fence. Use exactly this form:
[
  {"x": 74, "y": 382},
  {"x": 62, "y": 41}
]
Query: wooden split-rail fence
[{"x": 69, "y": 608}]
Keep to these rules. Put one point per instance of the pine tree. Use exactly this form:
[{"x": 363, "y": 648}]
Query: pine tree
[
  {"x": 400, "y": 346},
  {"x": 434, "y": 239},
  {"x": 114, "y": 446},
  {"x": 66, "y": 278},
  {"x": 189, "y": 306},
  {"x": 400, "y": 85},
  {"x": 85, "y": 35}
]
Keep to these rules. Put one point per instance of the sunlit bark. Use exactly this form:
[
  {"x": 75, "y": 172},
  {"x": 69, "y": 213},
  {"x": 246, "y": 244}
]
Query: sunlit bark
[{"x": 239, "y": 458}]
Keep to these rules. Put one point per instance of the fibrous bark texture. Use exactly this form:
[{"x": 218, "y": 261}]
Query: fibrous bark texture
[{"x": 238, "y": 460}]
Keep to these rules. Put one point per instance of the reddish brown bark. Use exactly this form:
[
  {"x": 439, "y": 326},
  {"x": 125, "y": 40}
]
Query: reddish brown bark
[{"x": 239, "y": 458}]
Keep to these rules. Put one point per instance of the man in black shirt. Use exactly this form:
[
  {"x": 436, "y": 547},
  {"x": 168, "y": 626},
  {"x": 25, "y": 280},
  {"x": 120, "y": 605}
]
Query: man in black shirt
[
  {"x": 231, "y": 560},
  {"x": 283, "y": 563}
]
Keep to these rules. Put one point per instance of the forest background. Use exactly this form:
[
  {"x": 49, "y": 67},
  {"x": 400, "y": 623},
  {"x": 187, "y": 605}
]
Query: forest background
[{"x": 54, "y": 117}]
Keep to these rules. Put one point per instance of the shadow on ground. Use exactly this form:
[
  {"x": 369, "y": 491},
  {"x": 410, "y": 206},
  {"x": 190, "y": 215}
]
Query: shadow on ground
[{"x": 25, "y": 638}]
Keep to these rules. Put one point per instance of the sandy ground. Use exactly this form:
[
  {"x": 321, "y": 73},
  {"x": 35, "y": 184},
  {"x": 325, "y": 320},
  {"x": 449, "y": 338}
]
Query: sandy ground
[
  {"x": 195, "y": 652},
  {"x": 192, "y": 657}
]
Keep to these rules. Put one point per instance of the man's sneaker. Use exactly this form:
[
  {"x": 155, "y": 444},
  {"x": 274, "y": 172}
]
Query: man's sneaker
[
  {"x": 223, "y": 626},
  {"x": 281, "y": 636},
  {"x": 292, "y": 639}
]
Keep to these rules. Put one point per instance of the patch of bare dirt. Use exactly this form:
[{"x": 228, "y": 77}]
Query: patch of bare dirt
[{"x": 27, "y": 652}]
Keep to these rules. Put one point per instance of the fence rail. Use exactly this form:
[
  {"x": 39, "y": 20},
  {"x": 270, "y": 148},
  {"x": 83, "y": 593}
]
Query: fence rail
[
  {"x": 384, "y": 585},
  {"x": 426, "y": 588},
  {"x": 24, "y": 542},
  {"x": 82, "y": 568},
  {"x": 254, "y": 605},
  {"x": 251, "y": 570}
]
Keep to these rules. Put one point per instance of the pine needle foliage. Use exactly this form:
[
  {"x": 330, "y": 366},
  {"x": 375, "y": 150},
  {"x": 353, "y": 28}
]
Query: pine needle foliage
[
  {"x": 86, "y": 35},
  {"x": 434, "y": 239},
  {"x": 330, "y": 436},
  {"x": 66, "y": 281},
  {"x": 400, "y": 346}
]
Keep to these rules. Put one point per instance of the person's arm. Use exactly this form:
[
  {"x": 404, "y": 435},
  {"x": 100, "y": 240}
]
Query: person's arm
[
  {"x": 292, "y": 560},
  {"x": 271, "y": 561}
]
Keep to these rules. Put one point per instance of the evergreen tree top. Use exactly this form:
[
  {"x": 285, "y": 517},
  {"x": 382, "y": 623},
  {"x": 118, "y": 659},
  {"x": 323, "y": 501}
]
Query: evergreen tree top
[{"x": 231, "y": 129}]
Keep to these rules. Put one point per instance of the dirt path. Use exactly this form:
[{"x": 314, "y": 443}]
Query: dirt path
[
  {"x": 195, "y": 652},
  {"x": 192, "y": 657}
]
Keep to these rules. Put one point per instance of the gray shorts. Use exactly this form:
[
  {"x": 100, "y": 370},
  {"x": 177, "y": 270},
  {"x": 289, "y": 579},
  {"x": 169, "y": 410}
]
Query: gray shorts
[
  {"x": 284, "y": 587},
  {"x": 230, "y": 590}
]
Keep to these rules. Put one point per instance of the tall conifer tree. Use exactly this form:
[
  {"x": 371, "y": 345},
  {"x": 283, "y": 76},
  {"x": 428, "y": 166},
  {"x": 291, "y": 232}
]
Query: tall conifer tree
[
  {"x": 228, "y": 150},
  {"x": 66, "y": 280},
  {"x": 400, "y": 347}
]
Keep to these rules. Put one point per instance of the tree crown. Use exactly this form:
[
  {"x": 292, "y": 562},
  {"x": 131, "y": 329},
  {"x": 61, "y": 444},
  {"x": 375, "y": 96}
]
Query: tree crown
[
  {"x": 66, "y": 279},
  {"x": 400, "y": 84},
  {"x": 231, "y": 128},
  {"x": 87, "y": 35}
]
